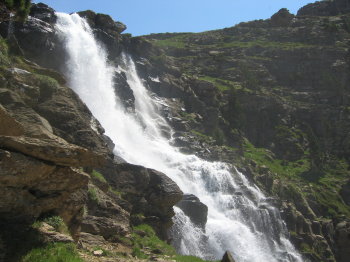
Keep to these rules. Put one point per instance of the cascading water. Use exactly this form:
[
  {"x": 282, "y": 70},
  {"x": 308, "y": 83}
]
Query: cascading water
[{"x": 240, "y": 218}]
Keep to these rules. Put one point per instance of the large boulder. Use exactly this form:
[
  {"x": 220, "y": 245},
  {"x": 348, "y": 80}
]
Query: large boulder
[
  {"x": 151, "y": 193},
  {"x": 194, "y": 209},
  {"x": 31, "y": 188}
]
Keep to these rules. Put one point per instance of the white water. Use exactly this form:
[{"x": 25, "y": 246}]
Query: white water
[{"x": 239, "y": 218}]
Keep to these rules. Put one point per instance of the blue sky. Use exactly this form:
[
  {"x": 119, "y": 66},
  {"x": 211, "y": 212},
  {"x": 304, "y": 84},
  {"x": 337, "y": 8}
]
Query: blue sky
[{"x": 159, "y": 16}]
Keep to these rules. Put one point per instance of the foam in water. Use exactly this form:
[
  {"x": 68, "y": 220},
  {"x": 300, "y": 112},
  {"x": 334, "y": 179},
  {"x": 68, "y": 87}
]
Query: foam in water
[{"x": 240, "y": 219}]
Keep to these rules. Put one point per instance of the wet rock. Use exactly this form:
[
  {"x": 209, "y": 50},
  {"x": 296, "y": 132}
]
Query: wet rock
[
  {"x": 227, "y": 257},
  {"x": 43, "y": 12},
  {"x": 194, "y": 209},
  {"x": 124, "y": 92}
]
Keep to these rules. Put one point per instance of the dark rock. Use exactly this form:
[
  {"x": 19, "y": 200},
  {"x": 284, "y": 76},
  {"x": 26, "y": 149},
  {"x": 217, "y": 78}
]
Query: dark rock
[
  {"x": 38, "y": 41},
  {"x": 123, "y": 91},
  {"x": 31, "y": 188},
  {"x": 105, "y": 22},
  {"x": 103, "y": 226},
  {"x": 342, "y": 238},
  {"x": 325, "y": 8},
  {"x": 345, "y": 193},
  {"x": 150, "y": 192},
  {"x": 282, "y": 18},
  {"x": 227, "y": 257},
  {"x": 120, "y": 27},
  {"x": 194, "y": 209},
  {"x": 43, "y": 12}
]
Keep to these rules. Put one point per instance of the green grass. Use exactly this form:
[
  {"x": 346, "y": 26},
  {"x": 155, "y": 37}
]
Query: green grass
[
  {"x": 98, "y": 176},
  {"x": 283, "y": 168},
  {"x": 221, "y": 84},
  {"x": 176, "y": 42},
  {"x": 56, "y": 252},
  {"x": 151, "y": 241}
]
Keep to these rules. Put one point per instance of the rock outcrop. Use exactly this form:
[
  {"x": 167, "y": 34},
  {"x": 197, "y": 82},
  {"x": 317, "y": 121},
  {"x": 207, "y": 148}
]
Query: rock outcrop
[
  {"x": 151, "y": 194},
  {"x": 227, "y": 257},
  {"x": 194, "y": 209}
]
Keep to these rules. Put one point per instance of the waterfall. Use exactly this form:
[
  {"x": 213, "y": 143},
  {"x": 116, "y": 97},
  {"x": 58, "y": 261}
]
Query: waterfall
[{"x": 240, "y": 218}]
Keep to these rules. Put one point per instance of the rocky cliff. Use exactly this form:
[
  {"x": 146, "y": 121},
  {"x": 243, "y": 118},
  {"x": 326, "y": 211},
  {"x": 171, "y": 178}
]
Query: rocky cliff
[
  {"x": 51, "y": 147},
  {"x": 272, "y": 97},
  {"x": 269, "y": 96}
]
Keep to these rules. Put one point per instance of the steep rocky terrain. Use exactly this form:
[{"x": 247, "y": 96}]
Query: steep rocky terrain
[
  {"x": 50, "y": 148},
  {"x": 272, "y": 97},
  {"x": 269, "y": 96}
]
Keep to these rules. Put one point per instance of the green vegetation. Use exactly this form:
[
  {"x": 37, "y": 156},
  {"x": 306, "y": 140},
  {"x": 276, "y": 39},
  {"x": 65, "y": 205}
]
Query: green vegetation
[
  {"x": 221, "y": 84},
  {"x": 22, "y": 8},
  {"x": 148, "y": 239},
  {"x": 175, "y": 41},
  {"x": 144, "y": 236},
  {"x": 93, "y": 195},
  {"x": 98, "y": 176},
  {"x": 4, "y": 58},
  {"x": 57, "y": 223},
  {"x": 55, "y": 252},
  {"x": 294, "y": 175},
  {"x": 266, "y": 44},
  {"x": 45, "y": 82}
]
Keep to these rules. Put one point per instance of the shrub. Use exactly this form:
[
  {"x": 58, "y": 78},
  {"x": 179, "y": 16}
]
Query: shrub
[
  {"x": 98, "y": 176},
  {"x": 57, "y": 223},
  {"x": 92, "y": 193}
]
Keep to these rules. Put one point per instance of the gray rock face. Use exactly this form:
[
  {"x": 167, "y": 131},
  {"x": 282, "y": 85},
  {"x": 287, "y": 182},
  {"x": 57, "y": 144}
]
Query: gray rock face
[{"x": 194, "y": 209}]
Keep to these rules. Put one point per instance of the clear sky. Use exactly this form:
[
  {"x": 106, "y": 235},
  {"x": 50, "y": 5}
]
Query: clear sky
[{"x": 159, "y": 16}]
